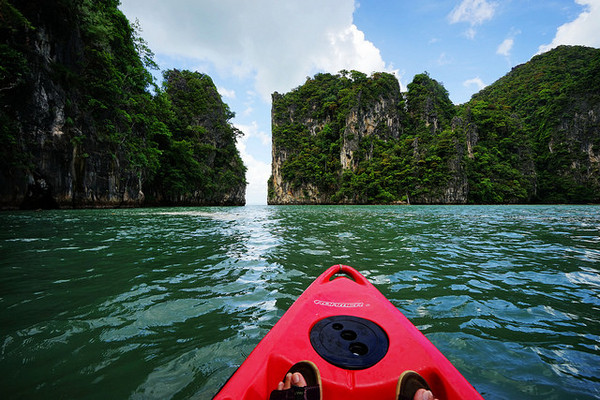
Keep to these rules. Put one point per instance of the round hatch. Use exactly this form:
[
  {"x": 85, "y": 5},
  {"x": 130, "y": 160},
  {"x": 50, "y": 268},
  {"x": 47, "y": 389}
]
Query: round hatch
[{"x": 349, "y": 342}]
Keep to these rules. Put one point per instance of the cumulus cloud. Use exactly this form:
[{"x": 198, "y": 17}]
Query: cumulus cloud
[
  {"x": 475, "y": 81},
  {"x": 505, "y": 47},
  {"x": 473, "y": 12},
  {"x": 277, "y": 43},
  {"x": 584, "y": 30}
]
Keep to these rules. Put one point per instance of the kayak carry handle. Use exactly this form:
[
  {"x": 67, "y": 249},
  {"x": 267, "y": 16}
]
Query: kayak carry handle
[{"x": 343, "y": 271}]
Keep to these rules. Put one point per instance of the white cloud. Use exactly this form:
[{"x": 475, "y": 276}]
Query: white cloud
[
  {"x": 475, "y": 12},
  {"x": 350, "y": 42},
  {"x": 505, "y": 47},
  {"x": 475, "y": 81},
  {"x": 226, "y": 93},
  {"x": 277, "y": 43},
  {"x": 253, "y": 131},
  {"x": 584, "y": 30}
]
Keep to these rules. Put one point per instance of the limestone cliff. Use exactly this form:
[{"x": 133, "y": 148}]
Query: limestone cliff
[
  {"x": 200, "y": 164},
  {"x": 334, "y": 144},
  {"x": 555, "y": 98},
  {"x": 531, "y": 137},
  {"x": 350, "y": 109},
  {"x": 78, "y": 126}
]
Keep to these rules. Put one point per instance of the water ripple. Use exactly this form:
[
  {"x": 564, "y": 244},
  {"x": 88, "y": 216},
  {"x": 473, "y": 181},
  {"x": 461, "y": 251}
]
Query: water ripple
[{"x": 163, "y": 303}]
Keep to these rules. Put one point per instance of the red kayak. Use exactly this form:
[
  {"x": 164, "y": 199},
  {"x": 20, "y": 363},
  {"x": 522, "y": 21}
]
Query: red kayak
[{"x": 358, "y": 340}]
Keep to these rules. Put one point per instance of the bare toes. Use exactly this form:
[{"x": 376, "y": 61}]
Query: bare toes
[
  {"x": 287, "y": 382},
  {"x": 298, "y": 379},
  {"x": 423, "y": 394}
]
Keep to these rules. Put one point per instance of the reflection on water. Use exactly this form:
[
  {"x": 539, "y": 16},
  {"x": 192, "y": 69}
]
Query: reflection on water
[{"x": 166, "y": 303}]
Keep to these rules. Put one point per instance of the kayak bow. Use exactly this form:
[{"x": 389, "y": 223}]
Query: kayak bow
[{"x": 359, "y": 341}]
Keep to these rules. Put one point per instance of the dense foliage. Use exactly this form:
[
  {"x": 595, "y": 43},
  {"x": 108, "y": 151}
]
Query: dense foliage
[
  {"x": 556, "y": 99},
  {"x": 406, "y": 159},
  {"x": 104, "y": 86},
  {"x": 533, "y": 136},
  {"x": 80, "y": 67},
  {"x": 314, "y": 151},
  {"x": 198, "y": 157}
]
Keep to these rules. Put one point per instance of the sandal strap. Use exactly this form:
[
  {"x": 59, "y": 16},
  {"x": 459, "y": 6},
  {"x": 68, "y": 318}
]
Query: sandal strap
[{"x": 296, "y": 393}]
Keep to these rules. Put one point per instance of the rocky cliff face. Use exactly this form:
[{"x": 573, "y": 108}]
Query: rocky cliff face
[
  {"x": 378, "y": 116},
  {"x": 533, "y": 136},
  {"x": 55, "y": 162},
  {"x": 200, "y": 165},
  {"x": 280, "y": 190},
  {"x": 362, "y": 118},
  {"x": 354, "y": 109},
  {"x": 78, "y": 127},
  {"x": 578, "y": 134},
  {"x": 556, "y": 99}
]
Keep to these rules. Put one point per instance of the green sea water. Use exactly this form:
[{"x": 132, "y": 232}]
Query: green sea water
[{"x": 166, "y": 303}]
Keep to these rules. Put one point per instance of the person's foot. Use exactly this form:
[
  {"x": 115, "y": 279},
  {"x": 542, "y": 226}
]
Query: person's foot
[
  {"x": 301, "y": 381},
  {"x": 290, "y": 379},
  {"x": 297, "y": 379}
]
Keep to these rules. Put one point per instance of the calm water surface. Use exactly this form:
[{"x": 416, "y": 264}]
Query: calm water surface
[{"x": 166, "y": 303}]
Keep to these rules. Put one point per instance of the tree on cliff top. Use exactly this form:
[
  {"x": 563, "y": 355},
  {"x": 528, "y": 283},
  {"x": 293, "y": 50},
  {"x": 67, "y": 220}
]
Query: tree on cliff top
[{"x": 428, "y": 102}]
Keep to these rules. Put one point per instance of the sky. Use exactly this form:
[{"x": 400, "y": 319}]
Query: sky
[{"x": 252, "y": 48}]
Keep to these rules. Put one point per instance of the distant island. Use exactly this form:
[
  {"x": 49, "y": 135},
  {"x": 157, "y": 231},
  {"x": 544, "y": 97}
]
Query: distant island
[
  {"x": 82, "y": 124},
  {"x": 531, "y": 137}
]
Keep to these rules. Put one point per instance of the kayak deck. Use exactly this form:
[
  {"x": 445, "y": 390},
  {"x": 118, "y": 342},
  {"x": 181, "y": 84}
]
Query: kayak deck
[{"x": 359, "y": 341}]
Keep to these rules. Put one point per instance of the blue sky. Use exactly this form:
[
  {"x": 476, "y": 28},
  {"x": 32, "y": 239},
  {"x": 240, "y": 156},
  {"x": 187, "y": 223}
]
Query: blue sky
[{"x": 251, "y": 48}]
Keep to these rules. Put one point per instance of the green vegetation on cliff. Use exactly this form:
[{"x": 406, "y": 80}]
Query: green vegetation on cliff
[
  {"x": 198, "y": 158},
  {"x": 533, "y": 136},
  {"x": 313, "y": 148},
  {"x": 83, "y": 124},
  {"x": 555, "y": 98}
]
